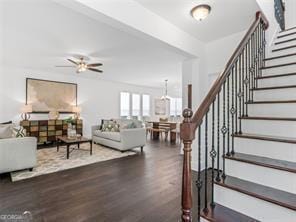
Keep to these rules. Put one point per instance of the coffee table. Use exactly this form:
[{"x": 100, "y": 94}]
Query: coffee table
[{"x": 64, "y": 140}]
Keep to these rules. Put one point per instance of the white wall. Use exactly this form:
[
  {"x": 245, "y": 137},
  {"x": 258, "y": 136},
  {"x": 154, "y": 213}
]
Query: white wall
[
  {"x": 219, "y": 52},
  {"x": 290, "y": 13},
  {"x": 98, "y": 99},
  {"x": 267, "y": 7}
]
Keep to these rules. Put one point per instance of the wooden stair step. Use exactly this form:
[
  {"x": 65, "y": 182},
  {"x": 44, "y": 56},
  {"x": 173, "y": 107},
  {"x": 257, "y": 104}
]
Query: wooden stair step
[
  {"x": 271, "y": 101},
  {"x": 284, "y": 48},
  {"x": 288, "y": 29},
  {"x": 281, "y": 56},
  {"x": 274, "y": 87},
  {"x": 266, "y": 138},
  {"x": 264, "y": 162},
  {"x": 272, "y": 195},
  {"x": 221, "y": 213},
  {"x": 285, "y": 35},
  {"x": 285, "y": 41},
  {"x": 276, "y": 76},
  {"x": 268, "y": 118},
  {"x": 280, "y": 65}
]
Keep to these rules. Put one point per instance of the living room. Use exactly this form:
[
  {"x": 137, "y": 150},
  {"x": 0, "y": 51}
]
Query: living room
[{"x": 42, "y": 85}]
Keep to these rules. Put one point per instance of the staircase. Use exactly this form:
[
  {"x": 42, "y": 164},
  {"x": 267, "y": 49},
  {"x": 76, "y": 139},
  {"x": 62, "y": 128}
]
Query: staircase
[{"x": 246, "y": 134}]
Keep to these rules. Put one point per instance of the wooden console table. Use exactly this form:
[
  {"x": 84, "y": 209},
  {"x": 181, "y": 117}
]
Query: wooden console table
[{"x": 48, "y": 130}]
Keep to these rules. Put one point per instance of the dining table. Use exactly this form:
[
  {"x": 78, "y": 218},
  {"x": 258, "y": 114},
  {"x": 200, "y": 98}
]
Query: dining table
[{"x": 169, "y": 128}]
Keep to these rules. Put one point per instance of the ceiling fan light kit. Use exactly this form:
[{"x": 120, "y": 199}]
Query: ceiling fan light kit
[{"x": 82, "y": 66}]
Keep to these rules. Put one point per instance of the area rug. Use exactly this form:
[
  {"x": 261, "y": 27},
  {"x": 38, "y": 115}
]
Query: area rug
[{"x": 50, "y": 161}]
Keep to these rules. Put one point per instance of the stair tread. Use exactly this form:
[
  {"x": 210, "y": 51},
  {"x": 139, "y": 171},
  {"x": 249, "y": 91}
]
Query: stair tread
[
  {"x": 271, "y": 101},
  {"x": 285, "y": 41},
  {"x": 221, "y": 213},
  {"x": 284, "y": 48},
  {"x": 288, "y": 29},
  {"x": 279, "y": 57},
  {"x": 266, "y": 137},
  {"x": 280, "y": 65},
  {"x": 264, "y": 161},
  {"x": 262, "y": 192},
  {"x": 276, "y": 75},
  {"x": 274, "y": 87},
  {"x": 268, "y": 118},
  {"x": 285, "y": 35}
]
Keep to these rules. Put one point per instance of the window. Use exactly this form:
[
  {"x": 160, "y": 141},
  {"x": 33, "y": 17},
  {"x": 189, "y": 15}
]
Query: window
[
  {"x": 135, "y": 105},
  {"x": 124, "y": 104},
  {"x": 178, "y": 106},
  {"x": 175, "y": 106},
  {"x": 146, "y": 105}
]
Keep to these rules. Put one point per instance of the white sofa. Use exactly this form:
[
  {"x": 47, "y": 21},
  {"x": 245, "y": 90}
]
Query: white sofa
[
  {"x": 18, "y": 154},
  {"x": 126, "y": 139}
]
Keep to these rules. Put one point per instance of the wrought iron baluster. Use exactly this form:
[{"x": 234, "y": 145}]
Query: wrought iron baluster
[
  {"x": 252, "y": 59},
  {"x": 228, "y": 113},
  {"x": 249, "y": 69},
  {"x": 264, "y": 45},
  {"x": 218, "y": 138},
  {"x": 256, "y": 58},
  {"x": 236, "y": 100},
  {"x": 206, "y": 164},
  {"x": 240, "y": 94},
  {"x": 246, "y": 81},
  {"x": 199, "y": 181},
  {"x": 213, "y": 154},
  {"x": 233, "y": 111},
  {"x": 261, "y": 48},
  {"x": 224, "y": 131},
  {"x": 242, "y": 82}
]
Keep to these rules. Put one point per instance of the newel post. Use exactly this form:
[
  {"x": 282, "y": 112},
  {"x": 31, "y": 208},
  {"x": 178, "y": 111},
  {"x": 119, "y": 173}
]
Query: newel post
[{"x": 187, "y": 135}]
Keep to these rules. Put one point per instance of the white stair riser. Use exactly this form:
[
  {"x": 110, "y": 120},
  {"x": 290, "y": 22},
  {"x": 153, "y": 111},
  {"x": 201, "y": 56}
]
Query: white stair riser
[
  {"x": 262, "y": 175},
  {"x": 253, "y": 207},
  {"x": 282, "y": 52},
  {"x": 272, "y": 128},
  {"x": 279, "y": 70},
  {"x": 275, "y": 150},
  {"x": 272, "y": 110},
  {"x": 275, "y": 94},
  {"x": 284, "y": 44},
  {"x": 280, "y": 61},
  {"x": 280, "y": 81}
]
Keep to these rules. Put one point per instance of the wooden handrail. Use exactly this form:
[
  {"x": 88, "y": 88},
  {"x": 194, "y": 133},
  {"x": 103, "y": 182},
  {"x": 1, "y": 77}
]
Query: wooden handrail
[{"x": 209, "y": 99}]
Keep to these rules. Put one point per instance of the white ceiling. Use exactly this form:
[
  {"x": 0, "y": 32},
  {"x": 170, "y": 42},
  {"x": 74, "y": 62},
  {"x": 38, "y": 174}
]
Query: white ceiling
[
  {"x": 39, "y": 34},
  {"x": 227, "y": 16}
]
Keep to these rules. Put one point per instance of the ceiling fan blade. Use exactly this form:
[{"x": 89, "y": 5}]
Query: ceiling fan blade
[
  {"x": 94, "y": 64},
  {"x": 95, "y": 70},
  {"x": 65, "y": 66},
  {"x": 70, "y": 60}
]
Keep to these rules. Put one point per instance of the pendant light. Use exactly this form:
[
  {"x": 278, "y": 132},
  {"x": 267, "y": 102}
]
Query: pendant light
[{"x": 165, "y": 96}]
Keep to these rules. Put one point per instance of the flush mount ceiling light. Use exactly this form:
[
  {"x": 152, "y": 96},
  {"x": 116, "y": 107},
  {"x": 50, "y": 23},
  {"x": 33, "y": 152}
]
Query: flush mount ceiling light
[{"x": 200, "y": 12}]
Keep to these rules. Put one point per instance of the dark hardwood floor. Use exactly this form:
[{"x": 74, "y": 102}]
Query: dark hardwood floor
[{"x": 143, "y": 187}]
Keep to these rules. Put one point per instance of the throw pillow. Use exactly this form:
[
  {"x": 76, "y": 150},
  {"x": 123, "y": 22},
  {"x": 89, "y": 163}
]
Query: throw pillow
[
  {"x": 5, "y": 131},
  {"x": 110, "y": 126},
  {"x": 18, "y": 131},
  {"x": 131, "y": 125}
]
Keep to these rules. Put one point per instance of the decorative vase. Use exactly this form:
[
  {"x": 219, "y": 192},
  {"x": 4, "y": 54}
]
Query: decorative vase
[{"x": 71, "y": 131}]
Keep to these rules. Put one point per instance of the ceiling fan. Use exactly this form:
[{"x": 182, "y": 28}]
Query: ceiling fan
[{"x": 82, "y": 66}]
